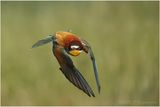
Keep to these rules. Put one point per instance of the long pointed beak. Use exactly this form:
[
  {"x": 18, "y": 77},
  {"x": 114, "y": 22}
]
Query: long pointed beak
[{"x": 43, "y": 41}]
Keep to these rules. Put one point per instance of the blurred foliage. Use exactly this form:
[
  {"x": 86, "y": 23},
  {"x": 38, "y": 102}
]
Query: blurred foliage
[{"x": 124, "y": 38}]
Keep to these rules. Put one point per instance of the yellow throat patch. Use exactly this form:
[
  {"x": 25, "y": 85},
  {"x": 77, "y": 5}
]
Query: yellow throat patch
[{"x": 74, "y": 52}]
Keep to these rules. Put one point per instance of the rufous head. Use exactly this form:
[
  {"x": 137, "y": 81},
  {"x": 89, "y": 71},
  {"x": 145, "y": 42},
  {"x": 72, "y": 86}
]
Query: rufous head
[{"x": 70, "y": 42}]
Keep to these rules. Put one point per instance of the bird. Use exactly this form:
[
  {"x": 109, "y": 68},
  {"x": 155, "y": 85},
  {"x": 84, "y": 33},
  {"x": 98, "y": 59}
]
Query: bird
[{"x": 64, "y": 45}]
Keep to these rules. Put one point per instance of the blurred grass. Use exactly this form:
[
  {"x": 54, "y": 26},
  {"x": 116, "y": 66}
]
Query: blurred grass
[{"x": 124, "y": 38}]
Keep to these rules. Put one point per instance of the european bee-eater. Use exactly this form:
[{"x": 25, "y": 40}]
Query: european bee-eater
[{"x": 65, "y": 43}]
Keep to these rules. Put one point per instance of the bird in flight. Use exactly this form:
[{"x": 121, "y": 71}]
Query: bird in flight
[{"x": 65, "y": 44}]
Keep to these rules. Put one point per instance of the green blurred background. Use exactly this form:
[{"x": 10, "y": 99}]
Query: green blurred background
[{"x": 124, "y": 38}]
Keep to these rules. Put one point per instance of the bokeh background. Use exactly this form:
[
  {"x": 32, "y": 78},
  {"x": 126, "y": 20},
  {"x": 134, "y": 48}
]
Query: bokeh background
[{"x": 124, "y": 38}]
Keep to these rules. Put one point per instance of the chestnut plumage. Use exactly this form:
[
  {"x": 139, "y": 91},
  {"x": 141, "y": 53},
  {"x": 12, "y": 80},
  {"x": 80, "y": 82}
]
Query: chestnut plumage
[{"x": 65, "y": 43}]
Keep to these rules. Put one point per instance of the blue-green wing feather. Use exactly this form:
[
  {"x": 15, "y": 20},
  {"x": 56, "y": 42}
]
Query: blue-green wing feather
[
  {"x": 43, "y": 41},
  {"x": 87, "y": 49}
]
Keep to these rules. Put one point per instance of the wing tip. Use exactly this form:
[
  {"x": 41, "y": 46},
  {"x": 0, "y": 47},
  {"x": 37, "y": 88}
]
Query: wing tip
[
  {"x": 99, "y": 89},
  {"x": 86, "y": 88},
  {"x": 93, "y": 95},
  {"x": 33, "y": 47}
]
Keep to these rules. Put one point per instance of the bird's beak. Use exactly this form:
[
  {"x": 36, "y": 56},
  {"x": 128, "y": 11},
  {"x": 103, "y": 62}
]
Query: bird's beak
[
  {"x": 74, "y": 52},
  {"x": 43, "y": 41}
]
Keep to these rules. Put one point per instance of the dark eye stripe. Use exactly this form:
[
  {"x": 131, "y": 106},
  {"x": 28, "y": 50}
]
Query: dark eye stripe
[{"x": 75, "y": 45}]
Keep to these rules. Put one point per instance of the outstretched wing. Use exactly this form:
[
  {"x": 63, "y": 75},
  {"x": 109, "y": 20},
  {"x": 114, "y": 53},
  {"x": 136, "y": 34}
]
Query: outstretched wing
[
  {"x": 87, "y": 49},
  {"x": 70, "y": 72},
  {"x": 43, "y": 41}
]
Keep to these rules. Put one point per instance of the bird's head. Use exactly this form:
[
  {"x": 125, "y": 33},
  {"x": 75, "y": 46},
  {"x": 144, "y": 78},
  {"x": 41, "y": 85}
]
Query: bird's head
[
  {"x": 70, "y": 42},
  {"x": 73, "y": 45}
]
